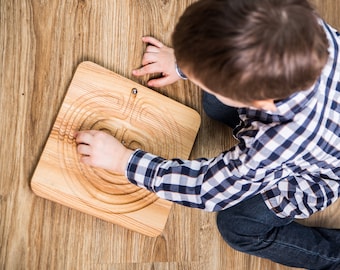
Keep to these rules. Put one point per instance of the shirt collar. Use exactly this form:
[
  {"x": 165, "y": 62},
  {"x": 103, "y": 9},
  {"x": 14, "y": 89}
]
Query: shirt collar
[
  {"x": 296, "y": 102},
  {"x": 286, "y": 108}
]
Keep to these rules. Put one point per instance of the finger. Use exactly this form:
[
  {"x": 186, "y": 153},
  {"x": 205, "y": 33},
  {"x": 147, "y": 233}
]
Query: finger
[
  {"x": 152, "y": 41},
  {"x": 149, "y": 58},
  {"x": 160, "y": 82},
  {"x": 85, "y": 136},
  {"x": 84, "y": 149},
  {"x": 86, "y": 160},
  {"x": 148, "y": 69},
  {"x": 152, "y": 49}
]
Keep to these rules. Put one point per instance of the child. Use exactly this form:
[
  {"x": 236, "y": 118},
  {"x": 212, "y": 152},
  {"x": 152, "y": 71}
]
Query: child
[{"x": 278, "y": 64}]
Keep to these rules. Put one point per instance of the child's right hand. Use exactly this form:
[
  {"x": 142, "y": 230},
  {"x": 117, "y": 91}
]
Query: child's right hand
[
  {"x": 99, "y": 149},
  {"x": 158, "y": 58}
]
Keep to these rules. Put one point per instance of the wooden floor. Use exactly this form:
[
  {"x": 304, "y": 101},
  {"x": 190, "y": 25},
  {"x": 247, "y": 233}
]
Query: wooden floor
[{"x": 41, "y": 44}]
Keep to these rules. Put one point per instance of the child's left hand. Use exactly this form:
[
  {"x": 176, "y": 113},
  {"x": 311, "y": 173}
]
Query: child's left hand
[
  {"x": 99, "y": 149},
  {"x": 158, "y": 58}
]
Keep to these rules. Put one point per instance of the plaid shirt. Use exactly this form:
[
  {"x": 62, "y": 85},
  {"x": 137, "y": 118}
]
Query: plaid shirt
[{"x": 291, "y": 156}]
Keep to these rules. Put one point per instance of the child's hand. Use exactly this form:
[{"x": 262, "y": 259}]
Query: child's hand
[
  {"x": 158, "y": 58},
  {"x": 99, "y": 149}
]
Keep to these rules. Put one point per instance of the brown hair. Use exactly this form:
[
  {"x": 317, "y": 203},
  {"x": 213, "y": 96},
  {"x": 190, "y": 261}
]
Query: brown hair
[{"x": 250, "y": 50}]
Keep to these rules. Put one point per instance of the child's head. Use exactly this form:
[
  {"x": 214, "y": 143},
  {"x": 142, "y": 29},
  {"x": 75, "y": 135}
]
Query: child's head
[{"x": 250, "y": 50}]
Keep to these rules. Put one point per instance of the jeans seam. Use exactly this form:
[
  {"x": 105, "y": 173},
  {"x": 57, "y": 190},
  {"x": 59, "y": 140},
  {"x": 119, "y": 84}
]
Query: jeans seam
[{"x": 284, "y": 244}]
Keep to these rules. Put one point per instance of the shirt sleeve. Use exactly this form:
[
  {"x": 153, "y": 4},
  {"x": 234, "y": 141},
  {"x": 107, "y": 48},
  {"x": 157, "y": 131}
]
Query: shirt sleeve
[{"x": 209, "y": 184}]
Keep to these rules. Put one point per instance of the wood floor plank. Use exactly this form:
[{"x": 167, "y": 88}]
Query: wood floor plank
[{"x": 41, "y": 44}]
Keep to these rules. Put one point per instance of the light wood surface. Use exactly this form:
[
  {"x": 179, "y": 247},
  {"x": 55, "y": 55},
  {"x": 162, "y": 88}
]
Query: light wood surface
[
  {"x": 41, "y": 44},
  {"x": 99, "y": 99}
]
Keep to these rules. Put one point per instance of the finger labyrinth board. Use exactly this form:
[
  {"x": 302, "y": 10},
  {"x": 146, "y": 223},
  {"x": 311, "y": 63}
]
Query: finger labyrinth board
[{"x": 100, "y": 99}]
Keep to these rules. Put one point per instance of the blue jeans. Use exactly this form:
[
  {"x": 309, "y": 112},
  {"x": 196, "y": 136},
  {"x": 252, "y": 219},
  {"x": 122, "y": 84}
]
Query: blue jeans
[
  {"x": 218, "y": 111},
  {"x": 252, "y": 228}
]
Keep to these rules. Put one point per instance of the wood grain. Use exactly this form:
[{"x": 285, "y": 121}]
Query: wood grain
[
  {"x": 99, "y": 99},
  {"x": 41, "y": 44}
]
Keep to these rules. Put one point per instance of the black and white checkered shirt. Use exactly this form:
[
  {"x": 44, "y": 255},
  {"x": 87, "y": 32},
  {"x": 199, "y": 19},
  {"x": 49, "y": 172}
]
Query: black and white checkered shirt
[{"x": 291, "y": 156}]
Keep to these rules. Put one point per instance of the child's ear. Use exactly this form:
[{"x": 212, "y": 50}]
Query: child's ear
[{"x": 267, "y": 105}]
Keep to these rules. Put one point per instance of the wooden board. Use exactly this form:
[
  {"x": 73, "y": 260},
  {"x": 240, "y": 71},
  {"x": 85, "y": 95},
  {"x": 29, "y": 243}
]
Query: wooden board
[{"x": 140, "y": 118}]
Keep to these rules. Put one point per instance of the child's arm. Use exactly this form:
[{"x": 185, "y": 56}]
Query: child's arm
[
  {"x": 99, "y": 149},
  {"x": 158, "y": 58},
  {"x": 211, "y": 184}
]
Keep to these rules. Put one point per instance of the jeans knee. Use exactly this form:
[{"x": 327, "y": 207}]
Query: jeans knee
[
  {"x": 227, "y": 230},
  {"x": 239, "y": 232},
  {"x": 216, "y": 110}
]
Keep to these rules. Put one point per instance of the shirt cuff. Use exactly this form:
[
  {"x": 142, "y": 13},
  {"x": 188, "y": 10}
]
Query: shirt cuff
[
  {"x": 141, "y": 169},
  {"x": 180, "y": 72}
]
